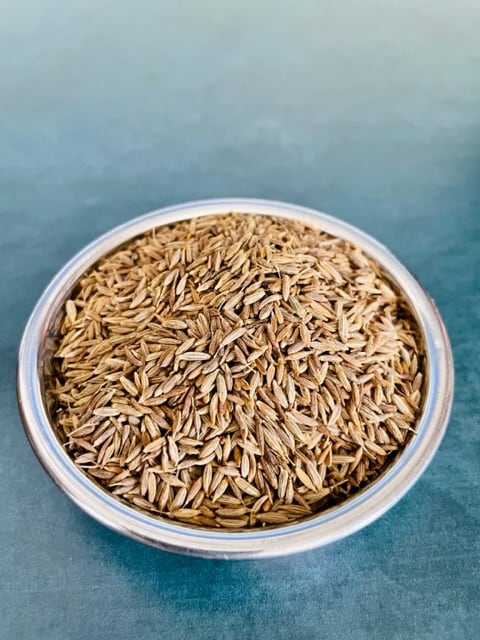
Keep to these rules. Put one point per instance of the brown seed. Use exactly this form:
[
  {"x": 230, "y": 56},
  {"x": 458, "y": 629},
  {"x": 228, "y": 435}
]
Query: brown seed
[
  {"x": 221, "y": 388},
  {"x": 272, "y": 517},
  {"x": 247, "y": 487},
  {"x": 305, "y": 479},
  {"x": 231, "y": 512},
  {"x": 128, "y": 386},
  {"x": 71, "y": 310},
  {"x": 220, "y": 490},
  {"x": 172, "y": 323},
  {"x": 232, "y": 336},
  {"x": 193, "y": 356},
  {"x": 209, "y": 448},
  {"x": 208, "y": 382},
  {"x": 233, "y": 523},
  {"x": 184, "y": 514},
  {"x": 254, "y": 297}
]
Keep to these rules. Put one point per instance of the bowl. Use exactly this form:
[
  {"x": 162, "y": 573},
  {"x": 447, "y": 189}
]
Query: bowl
[{"x": 324, "y": 528}]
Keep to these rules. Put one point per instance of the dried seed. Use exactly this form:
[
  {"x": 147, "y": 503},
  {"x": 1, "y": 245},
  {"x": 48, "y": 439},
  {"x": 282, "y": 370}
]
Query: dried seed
[
  {"x": 246, "y": 487},
  {"x": 232, "y": 336},
  {"x": 184, "y": 514},
  {"x": 220, "y": 490},
  {"x": 272, "y": 517},
  {"x": 254, "y": 297},
  {"x": 71, "y": 310},
  {"x": 209, "y": 448},
  {"x": 128, "y": 385},
  {"x": 193, "y": 356},
  {"x": 233, "y": 523}
]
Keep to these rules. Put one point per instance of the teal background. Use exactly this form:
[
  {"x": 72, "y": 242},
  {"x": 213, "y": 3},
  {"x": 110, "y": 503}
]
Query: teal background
[{"x": 369, "y": 110}]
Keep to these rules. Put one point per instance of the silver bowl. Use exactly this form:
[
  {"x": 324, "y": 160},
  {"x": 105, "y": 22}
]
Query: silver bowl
[{"x": 322, "y": 529}]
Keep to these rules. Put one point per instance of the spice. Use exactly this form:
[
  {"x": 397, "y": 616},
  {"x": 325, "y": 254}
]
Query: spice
[{"x": 236, "y": 371}]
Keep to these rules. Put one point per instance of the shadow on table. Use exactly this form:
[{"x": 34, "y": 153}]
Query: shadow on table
[{"x": 383, "y": 570}]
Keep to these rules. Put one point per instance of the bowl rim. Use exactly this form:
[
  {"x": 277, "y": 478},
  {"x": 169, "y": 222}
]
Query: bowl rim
[{"x": 324, "y": 528}]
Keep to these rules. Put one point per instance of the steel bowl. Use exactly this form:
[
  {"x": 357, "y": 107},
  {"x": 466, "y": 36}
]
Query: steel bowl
[{"x": 322, "y": 529}]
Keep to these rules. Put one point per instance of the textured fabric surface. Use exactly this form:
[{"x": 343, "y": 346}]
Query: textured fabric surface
[{"x": 368, "y": 110}]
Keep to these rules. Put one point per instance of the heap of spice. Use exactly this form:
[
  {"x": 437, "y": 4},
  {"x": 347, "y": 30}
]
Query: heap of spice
[{"x": 236, "y": 371}]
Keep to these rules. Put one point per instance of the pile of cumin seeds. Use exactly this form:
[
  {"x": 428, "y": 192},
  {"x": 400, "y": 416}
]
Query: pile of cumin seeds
[{"x": 235, "y": 371}]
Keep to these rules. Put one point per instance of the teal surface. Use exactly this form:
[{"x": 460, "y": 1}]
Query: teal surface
[{"x": 368, "y": 110}]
